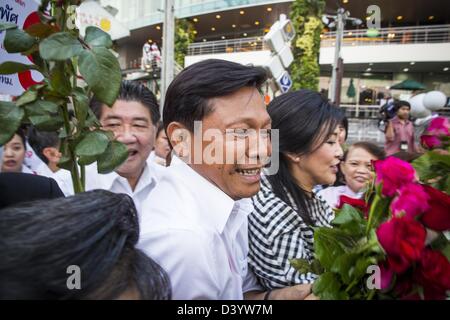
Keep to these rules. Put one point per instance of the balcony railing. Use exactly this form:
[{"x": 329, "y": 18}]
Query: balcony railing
[
  {"x": 426, "y": 34},
  {"x": 404, "y": 35},
  {"x": 227, "y": 46}
]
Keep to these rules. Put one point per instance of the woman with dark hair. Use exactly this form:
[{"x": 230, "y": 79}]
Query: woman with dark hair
[
  {"x": 14, "y": 154},
  {"x": 286, "y": 208},
  {"x": 80, "y": 247},
  {"x": 356, "y": 168}
]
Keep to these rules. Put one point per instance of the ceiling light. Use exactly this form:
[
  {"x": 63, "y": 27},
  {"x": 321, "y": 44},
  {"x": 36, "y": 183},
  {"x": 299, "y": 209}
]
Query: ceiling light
[
  {"x": 269, "y": 9},
  {"x": 430, "y": 17},
  {"x": 223, "y": 37},
  {"x": 445, "y": 69},
  {"x": 213, "y": 29},
  {"x": 369, "y": 69},
  {"x": 412, "y": 63},
  {"x": 242, "y": 12},
  {"x": 233, "y": 26},
  {"x": 195, "y": 19},
  {"x": 244, "y": 34},
  {"x": 345, "y": 1},
  {"x": 204, "y": 40},
  {"x": 194, "y": 32},
  {"x": 256, "y": 23},
  {"x": 158, "y": 27},
  {"x": 218, "y": 16},
  {"x": 399, "y": 17},
  {"x": 405, "y": 70}
]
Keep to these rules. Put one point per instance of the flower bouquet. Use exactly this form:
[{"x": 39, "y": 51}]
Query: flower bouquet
[{"x": 392, "y": 244}]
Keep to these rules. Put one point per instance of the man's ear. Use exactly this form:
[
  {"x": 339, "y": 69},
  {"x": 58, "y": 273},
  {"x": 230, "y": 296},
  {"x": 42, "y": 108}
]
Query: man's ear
[
  {"x": 180, "y": 139},
  {"x": 52, "y": 154}
]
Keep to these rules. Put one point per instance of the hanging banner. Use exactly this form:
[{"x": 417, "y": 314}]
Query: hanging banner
[{"x": 23, "y": 14}]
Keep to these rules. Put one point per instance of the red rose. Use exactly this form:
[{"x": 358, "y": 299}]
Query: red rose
[
  {"x": 403, "y": 240},
  {"x": 411, "y": 201},
  {"x": 433, "y": 273},
  {"x": 437, "y": 217},
  {"x": 430, "y": 142},
  {"x": 357, "y": 203},
  {"x": 393, "y": 173}
]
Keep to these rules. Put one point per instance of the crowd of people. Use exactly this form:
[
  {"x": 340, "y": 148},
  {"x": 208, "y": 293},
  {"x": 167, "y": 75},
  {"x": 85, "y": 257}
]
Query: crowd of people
[{"x": 169, "y": 223}]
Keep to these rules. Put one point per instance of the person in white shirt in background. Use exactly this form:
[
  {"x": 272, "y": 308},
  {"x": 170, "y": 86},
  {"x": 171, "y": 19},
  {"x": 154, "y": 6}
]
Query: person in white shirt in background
[
  {"x": 132, "y": 119},
  {"x": 162, "y": 147},
  {"x": 46, "y": 146},
  {"x": 356, "y": 168},
  {"x": 195, "y": 221}
]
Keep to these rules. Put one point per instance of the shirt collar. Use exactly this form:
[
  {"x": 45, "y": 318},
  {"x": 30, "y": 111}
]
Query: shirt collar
[
  {"x": 214, "y": 204},
  {"x": 107, "y": 180}
]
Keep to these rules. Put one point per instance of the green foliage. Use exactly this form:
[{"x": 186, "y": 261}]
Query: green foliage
[
  {"x": 305, "y": 16},
  {"x": 59, "y": 54},
  {"x": 184, "y": 36},
  {"x": 433, "y": 168}
]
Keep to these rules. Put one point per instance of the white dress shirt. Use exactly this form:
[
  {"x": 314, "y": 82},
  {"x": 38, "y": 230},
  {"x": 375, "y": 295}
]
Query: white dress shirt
[
  {"x": 333, "y": 194},
  {"x": 199, "y": 235},
  {"x": 62, "y": 177},
  {"x": 118, "y": 184}
]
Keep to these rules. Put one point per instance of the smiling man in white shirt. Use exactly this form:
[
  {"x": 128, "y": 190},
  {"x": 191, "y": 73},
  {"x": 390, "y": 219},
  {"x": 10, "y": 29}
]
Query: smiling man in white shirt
[
  {"x": 132, "y": 119},
  {"x": 195, "y": 221}
]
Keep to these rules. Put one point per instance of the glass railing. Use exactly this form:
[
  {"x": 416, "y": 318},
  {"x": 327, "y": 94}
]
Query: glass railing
[
  {"x": 404, "y": 35},
  {"x": 227, "y": 46},
  {"x": 426, "y": 34}
]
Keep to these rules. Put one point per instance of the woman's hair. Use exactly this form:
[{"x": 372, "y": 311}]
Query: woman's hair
[
  {"x": 94, "y": 231},
  {"x": 305, "y": 121},
  {"x": 370, "y": 147},
  {"x": 344, "y": 123}
]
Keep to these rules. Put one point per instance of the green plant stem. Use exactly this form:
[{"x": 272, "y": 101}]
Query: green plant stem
[
  {"x": 371, "y": 294},
  {"x": 374, "y": 206},
  {"x": 78, "y": 186}
]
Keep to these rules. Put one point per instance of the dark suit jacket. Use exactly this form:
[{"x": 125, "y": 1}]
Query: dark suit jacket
[{"x": 21, "y": 187}]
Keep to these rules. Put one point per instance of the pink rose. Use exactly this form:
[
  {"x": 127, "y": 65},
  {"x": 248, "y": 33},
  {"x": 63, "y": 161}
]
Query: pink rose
[
  {"x": 439, "y": 126},
  {"x": 430, "y": 142},
  {"x": 386, "y": 275},
  {"x": 411, "y": 201},
  {"x": 403, "y": 241},
  {"x": 393, "y": 173}
]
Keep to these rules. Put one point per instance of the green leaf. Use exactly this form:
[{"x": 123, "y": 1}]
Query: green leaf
[
  {"x": 27, "y": 97},
  {"x": 40, "y": 30},
  {"x": 60, "y": 46},
  {"x": 10, "y": 118},
  {"x": 328, "y": 287},
  {"x": 301, "y": 265},
  {"x": 86, "y": 160},
  {"x": 331, "y": 243},
  {"x": 47, "y": 122},
  {"x": 41, "y": 107},
  {"x": 11, "y": 67},
  {"x": 343, "y": 266},
  {"x": 94, "y": 143},
  {"x": 350, "y": 220},
  {"x": 96, "y": 37},
  {"x": 7, "y": 25},
  {"x": 101, "y": 70},
  {"x": 60, "y": 80},
  {"x": 114, "y": 156},
  {"x": 17, "y": 41}
]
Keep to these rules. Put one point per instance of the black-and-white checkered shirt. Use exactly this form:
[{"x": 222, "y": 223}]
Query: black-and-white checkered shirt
[{"x": 277, "y": 234}]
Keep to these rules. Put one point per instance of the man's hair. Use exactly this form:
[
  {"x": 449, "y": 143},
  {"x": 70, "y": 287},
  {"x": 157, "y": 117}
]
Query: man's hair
[
  {"x": 188, "y": 96},
  {"x": 132, "y": 91},
  {"x": 401, "y": 103},
  {"x": 39, "y": 140},
  {"x": 96, "y": 231}
]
